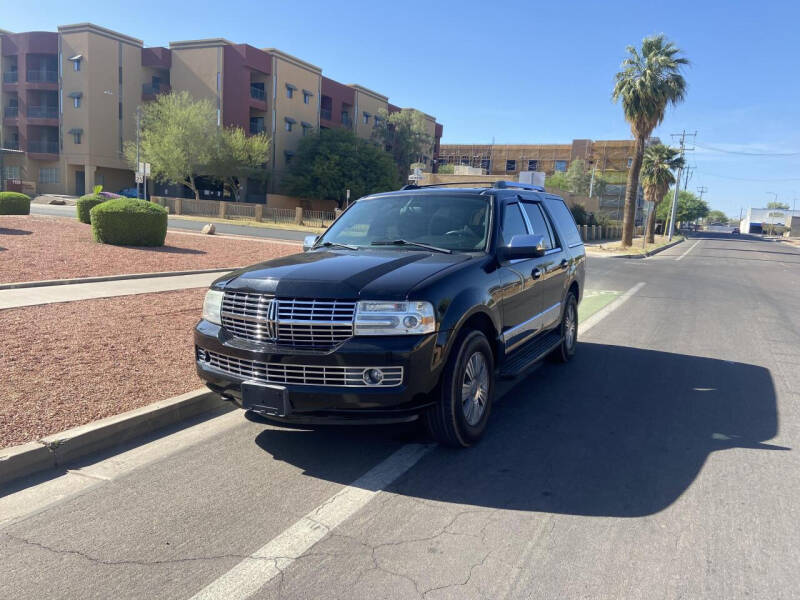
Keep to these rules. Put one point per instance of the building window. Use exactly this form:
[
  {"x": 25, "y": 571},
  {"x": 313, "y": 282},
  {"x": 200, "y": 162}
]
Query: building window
[
  {"x": 307, "y": 128},
  {"x": 485, "y": 164},
  {"x": 289, "y": 123},
  {"x": 76, "y": 101},
  {"x": 307, "y": 97},
  {"x": 561, "y": 165},
  {"x": 76, "y": 62},
  {"x": 511, "y": 165},
  {"x": 76, "y": 135},
  {"x": 48, "y": 175},
  {"x": 366, "y": 118},
  {"x": 290, "y": 90},
  {"x": 288, "y": 126},
  {"x": 288, "y": 155},
  {"x": 12, "y": 172},
  {"x": 630, "y": 162},
  {"x": 376, "y": 121},
  {"x": 465, "y": 160},
  {"x": 533, "y": 165}
]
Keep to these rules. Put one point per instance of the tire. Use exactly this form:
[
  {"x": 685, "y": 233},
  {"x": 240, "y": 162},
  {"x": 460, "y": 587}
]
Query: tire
[
  {"x": 569, "y": 339},
  {"x": 466, "y": 390}
]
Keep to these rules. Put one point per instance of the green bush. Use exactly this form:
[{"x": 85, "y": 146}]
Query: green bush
[
  {"x": 14, "y": 203},
  {"x": 129, "y": 222},
  {"x": 86, "y": 204}
]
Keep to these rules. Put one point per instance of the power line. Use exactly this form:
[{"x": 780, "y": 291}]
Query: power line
[
  {"x": 683, "y": 135},
  {"x": 748, "y": 179},
  {"x": 713, "y": 149}
]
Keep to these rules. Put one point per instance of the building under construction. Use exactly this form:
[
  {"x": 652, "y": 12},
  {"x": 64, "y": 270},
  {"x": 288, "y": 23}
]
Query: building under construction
[{"x": 510, "y": 159}]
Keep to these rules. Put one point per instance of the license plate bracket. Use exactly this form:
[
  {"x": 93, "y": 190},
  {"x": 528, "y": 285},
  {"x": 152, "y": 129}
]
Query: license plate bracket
[{"x": 265, "y": 398}]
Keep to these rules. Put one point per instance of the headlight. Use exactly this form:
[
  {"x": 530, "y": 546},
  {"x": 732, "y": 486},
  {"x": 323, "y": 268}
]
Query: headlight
[
  {"x": 394, "y": 318},
  {"x": 212, "y": 306}
]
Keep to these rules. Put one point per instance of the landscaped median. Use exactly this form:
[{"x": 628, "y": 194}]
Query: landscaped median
[
  {"x": 71, "y": 363},
  {"x": 636, "y": 250},
  {"x": 34, "y": 247}
]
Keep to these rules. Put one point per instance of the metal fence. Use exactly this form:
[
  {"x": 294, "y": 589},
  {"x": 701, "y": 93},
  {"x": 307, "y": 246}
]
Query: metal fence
[{"x": 318, "y": 218}]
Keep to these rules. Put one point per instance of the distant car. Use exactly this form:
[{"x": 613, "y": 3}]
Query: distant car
[{"x": 129, "y": 192}]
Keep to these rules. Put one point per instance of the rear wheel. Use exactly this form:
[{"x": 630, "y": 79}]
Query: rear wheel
[
  {"x": 569, "y": 331},
  {"x": 466, "y": 390}
]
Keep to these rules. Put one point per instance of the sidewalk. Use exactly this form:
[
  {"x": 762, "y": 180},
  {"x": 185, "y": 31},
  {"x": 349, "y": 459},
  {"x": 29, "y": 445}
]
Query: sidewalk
[{"x": 15, "y": 298}]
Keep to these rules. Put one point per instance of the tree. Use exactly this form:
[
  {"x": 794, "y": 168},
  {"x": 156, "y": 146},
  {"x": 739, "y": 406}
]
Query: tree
[
  {"x": 776, "y": 204},
  {"x": 690, "y": 207},
  {"x": 658, "y": 163},
  {"x": 334, "y": 160},
  {"x": 405, "y": 136},
  {"x": 447, "y": 169},
  {"x": 177, "y": 138},
  {"x": 237, "y": 158},
  {"x": 577, "y": 179},
  {"x": 716, "y": 216},
  {"x": 650, "y": 80},
  {"x": 557, "y": 180}
]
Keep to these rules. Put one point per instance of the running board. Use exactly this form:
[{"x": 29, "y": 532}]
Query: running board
[{"x": 530, "y": 353}]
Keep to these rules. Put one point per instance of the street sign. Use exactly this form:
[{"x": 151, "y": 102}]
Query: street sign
[
  {"x": 144, "y": 167},
  {"x": 139, "y": 177}
]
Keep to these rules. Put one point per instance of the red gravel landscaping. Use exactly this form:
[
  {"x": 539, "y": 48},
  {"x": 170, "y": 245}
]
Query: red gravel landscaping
[
  {"x": 63, "y": 365},
  {"x": 36, "y": 247}
]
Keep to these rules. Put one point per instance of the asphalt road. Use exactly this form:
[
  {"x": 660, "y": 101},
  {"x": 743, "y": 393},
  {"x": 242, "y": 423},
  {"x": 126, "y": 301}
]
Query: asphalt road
[
  {"x": 190, "y": 225},
  {"x": 661, "y": 462}
]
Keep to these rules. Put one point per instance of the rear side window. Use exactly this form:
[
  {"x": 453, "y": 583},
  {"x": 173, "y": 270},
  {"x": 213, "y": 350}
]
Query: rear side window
[
  {"x": 564, "y": 222},
  {"x": 513, "y": 223},
  {"x": 538, "y": 223}
]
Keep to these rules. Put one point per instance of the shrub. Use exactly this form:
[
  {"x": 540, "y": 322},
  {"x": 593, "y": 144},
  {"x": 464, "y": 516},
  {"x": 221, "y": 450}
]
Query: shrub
[
  {"x": 14, "y": 203},
  {"x": 129, "y": 222},
  {"x": 86, "y": 204}
]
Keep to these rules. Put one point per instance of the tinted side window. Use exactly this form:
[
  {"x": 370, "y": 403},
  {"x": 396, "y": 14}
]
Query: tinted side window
[
  {"x": 512, "y": 222},
  {"x": 538, "y": 223},
  {"x": 564, "y": 222}
]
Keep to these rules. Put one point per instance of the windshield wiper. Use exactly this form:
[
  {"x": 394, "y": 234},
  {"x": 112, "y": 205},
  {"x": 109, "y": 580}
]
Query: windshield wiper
[
  {"x": 337, "y": 245},
  {"x": 408, "y": 243}
]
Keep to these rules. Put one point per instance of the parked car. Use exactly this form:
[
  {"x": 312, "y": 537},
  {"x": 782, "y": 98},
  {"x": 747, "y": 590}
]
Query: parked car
[
  {"x": 129, "y": 192},
  {"x": 409, "y": 305}
]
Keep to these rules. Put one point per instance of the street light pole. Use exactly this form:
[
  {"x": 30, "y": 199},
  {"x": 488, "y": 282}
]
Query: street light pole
[{"x": 138, "y": 119}]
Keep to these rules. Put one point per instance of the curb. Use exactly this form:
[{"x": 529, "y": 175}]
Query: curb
[
  {"x": 61, "y": 448},
  {"x": 101, "y": 278}
]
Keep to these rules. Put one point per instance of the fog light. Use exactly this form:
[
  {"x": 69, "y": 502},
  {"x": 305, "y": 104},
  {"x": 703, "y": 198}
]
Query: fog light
[
  {"x": 373, "y": 376},
  {"x": 410, "y": 322}
]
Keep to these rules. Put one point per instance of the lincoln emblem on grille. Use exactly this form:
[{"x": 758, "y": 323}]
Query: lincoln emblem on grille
[{"x": 272, "y": 320}]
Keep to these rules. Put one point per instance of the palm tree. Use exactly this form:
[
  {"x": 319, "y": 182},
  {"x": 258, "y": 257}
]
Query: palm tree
[
  {"x": 658, "y": 164},
  {"x": 649, "y": 81}
]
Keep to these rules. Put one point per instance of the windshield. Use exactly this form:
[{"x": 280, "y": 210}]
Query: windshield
[{"x": 450, "y": 221}]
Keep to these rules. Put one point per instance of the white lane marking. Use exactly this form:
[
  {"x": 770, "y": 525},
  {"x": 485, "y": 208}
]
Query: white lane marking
[
  {"x": 246, "y": 578},
  {"x": 687, "y": 252},
  {"x": 608, "y": 309}
]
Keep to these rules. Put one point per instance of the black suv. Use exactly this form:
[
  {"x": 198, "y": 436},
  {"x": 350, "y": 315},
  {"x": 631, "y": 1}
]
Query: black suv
[{"x": 409, "y": 305}]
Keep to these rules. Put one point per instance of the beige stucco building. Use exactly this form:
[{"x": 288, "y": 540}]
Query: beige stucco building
[{"x": 70, "y": 100}]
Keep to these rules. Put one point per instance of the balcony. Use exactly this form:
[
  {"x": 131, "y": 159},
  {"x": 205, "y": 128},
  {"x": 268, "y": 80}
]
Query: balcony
[
  {"x": 151, "y": 90},
  {"x": 257, "y": 93},
  {"x": 325, "y": 113},
  {"x": 12, "y": 145},
  {"x": 43, "y": 76},
  {"x": 10, "y": 77},
  {"x": 42, "y": 147},
  {"x": 42, "y": 112},
  {"x": 12, "y": 112},
  {"x": 257, "y": 125}
]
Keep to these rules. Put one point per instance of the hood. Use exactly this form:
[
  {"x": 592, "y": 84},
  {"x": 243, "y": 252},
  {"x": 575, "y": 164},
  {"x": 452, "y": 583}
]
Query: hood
[{"x": 384, "y": 274}]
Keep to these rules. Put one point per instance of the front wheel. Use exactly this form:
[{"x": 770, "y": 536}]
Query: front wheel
[
  {"x": 460, "y": 416},
  {"x": 569, "y": 331}
]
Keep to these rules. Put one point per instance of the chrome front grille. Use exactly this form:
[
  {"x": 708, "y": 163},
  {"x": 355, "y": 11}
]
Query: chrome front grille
[
  {"x": 311, "y": 324},
  {"x": 298, "y": 374}
]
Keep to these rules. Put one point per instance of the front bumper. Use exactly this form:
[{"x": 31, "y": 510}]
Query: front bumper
[{"x": 331, "y": 403}]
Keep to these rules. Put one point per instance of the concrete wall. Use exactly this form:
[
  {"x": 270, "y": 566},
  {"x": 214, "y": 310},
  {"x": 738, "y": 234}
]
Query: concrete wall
[
  {"x": 371, "y": 102},
  {"x": 282, "y": 201}
]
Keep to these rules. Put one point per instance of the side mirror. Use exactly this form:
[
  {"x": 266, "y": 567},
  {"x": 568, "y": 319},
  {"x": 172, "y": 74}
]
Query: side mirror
[
  {"x": 309, "y": 241},
  {"x": 522, "y": 246}
]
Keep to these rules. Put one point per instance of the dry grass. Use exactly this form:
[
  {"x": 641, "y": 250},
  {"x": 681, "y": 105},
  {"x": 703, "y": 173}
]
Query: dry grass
[
  {"x": 612, "y": 248},
  {"x": 36, "y": 247},
  {"x": 69, "y": 364}
]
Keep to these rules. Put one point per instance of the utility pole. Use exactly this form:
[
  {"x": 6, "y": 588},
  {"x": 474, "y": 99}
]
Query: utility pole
[
  {"x": 702, "y": 189},
  {"x": 591, "y": 182},
  {"x": 682, "y": 135},
  {"x": 688, "y": 176},
  {"x": 138, "y": 119}
]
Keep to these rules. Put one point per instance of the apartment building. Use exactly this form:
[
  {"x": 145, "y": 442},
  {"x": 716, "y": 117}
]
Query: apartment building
[
  {"x": 510, "y": 159},
  {"x": 70, "y": 97}
]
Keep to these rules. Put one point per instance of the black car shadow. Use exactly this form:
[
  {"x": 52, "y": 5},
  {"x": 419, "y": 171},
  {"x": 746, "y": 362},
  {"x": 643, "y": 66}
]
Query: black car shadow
[
  {"x": 9, "y": 231},
  {"x": 617, "y": 432}
]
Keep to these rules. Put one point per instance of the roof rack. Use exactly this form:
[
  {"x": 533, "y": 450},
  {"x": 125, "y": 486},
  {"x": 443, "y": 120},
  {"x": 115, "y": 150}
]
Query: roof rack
[
  {"x": 492, "y": 184},
  {"x": 515, "y": 184}
]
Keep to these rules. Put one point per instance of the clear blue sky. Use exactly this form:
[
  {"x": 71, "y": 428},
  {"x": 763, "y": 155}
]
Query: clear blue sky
[{"x": 524, "y": 72}]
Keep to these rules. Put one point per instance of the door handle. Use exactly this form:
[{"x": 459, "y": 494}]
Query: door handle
[
  {"x": 564, "y": 263},
  {"x": 536, "y": 273}
]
